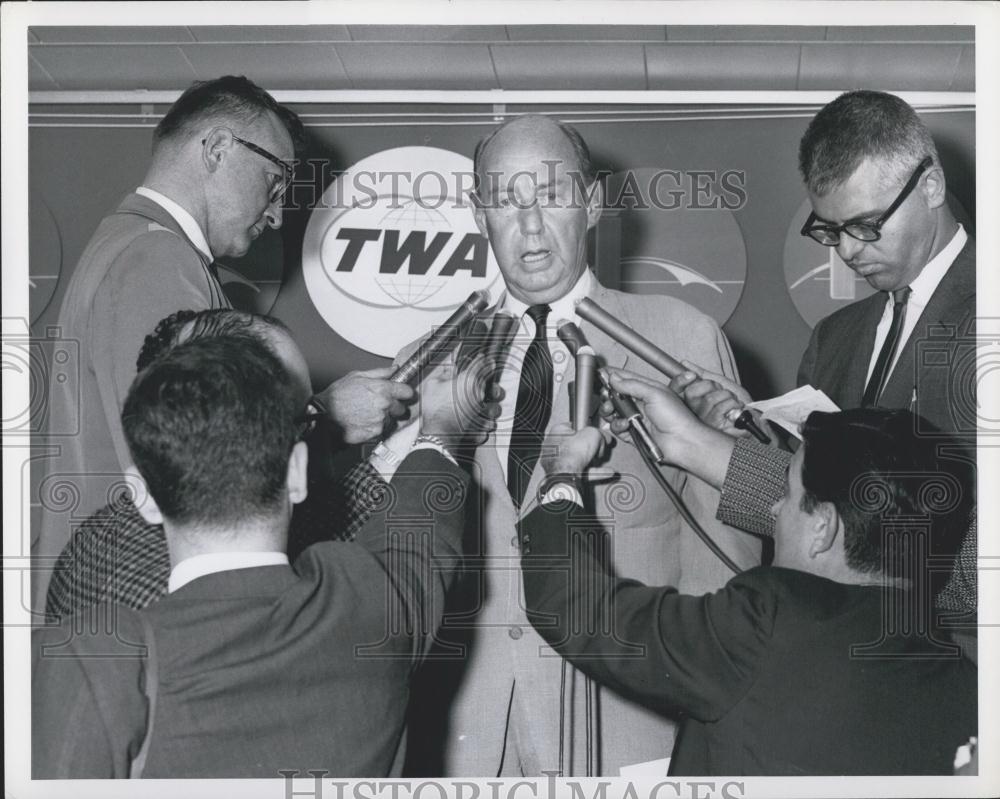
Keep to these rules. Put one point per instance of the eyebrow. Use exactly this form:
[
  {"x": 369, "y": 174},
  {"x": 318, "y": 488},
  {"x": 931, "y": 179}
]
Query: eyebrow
[{"x": 856, "y": 218}]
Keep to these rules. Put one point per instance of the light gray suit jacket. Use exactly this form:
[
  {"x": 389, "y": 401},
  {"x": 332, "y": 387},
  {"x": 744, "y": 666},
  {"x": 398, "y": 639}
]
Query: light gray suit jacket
[
  {"x": 464, "y": 709},
  {"x": 137, "y": 268}
]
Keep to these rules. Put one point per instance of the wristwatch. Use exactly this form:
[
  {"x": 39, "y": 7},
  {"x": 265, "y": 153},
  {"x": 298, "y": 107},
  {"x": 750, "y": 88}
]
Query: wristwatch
[{"x": 561, "y": 486}]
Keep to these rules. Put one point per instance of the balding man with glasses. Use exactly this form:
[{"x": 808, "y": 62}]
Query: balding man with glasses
[{"x": 222, "y": 162}]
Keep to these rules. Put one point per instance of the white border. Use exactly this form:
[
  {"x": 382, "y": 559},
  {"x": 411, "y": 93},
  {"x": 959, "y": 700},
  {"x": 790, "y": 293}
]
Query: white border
[{"x": 14, "y": 101}]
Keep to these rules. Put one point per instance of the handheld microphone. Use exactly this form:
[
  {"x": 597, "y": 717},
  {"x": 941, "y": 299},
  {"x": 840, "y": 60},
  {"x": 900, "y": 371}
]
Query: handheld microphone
[
  {"x": 653, "y": 355},
  {"x": 626, "y": 408},
  {"x": 502, "y": 332},
  {"x": 441, "y": 339},
  {"x": 586, "y": 368}
]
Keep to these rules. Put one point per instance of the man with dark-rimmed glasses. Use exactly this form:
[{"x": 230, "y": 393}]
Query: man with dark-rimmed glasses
[{"x": 878, "y": 195}]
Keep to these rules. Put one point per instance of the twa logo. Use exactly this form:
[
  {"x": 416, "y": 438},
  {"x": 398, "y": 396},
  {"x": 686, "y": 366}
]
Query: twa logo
[{"x": 392, "y": 247}]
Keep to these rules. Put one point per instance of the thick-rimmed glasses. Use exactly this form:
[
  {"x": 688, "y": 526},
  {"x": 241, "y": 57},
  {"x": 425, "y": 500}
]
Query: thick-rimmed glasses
[
  {"x": 277, "y": 191},
  {"x": 829, "y": 235}
]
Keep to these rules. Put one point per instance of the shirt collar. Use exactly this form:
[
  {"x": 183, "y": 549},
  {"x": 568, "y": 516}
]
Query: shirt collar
[
  {"x": 212, "y": 562},
  {"x": 191, "y": 228},
  {"x": 563, "y": 308},
  {"x": 925, "y": 284}
]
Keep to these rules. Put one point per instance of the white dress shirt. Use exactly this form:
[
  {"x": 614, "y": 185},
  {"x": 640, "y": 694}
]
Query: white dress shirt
[
  {"x": 191, "y": 228},
  {"x": 921, "y": 290},
  {"x": 211, "y": 562}
]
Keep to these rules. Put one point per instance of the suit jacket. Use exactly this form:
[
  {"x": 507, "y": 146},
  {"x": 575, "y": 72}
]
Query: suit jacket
[
  {"x": 117, "y": 556},
  {"x": 780, "y": 672},
  {"x": 262, "y": 669},
  {"x": 936, "y": 365},
  {"x": 137, "y": 268},
  {"x": 465, "y": 706}
]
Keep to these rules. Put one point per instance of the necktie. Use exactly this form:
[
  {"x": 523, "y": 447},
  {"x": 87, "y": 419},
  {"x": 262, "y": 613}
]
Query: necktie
[
  {"x": 533, "y": 409},
  {"x": 881, "y": 371}
]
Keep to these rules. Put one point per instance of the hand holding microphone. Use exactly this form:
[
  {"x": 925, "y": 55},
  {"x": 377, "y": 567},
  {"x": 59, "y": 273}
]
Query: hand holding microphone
[
  {"x": 586, "y": 360},
  {"x": 653, "y": 355}
]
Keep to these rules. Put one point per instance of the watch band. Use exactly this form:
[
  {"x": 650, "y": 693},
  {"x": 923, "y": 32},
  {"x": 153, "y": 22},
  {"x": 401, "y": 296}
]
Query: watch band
[{"x": 552, "y": 482}]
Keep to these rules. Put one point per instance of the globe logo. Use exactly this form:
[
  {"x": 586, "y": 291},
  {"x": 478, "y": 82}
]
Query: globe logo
[{"x": 392, "y": 248}]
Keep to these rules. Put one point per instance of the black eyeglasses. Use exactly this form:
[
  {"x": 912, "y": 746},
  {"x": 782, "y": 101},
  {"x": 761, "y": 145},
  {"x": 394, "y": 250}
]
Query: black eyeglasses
[
  {"x": 277, "y": 192},
  {"x": 829, "y": 235}
]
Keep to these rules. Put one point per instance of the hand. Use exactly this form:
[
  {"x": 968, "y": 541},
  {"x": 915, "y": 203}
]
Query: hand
[
  {"x": 454, "y": 403},
  {"x": 712, "y": 396},
  {"x": 684, "y": 439},
  {"x": 363, "y": 403},
  {"x": 574, "y": 451}
]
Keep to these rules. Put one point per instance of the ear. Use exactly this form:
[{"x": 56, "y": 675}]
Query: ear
[
  {"x": 298, "y": 467},
  {"x": 215, "y": 147},
  {"x": 595, "y": 204},
  {"x": 824, "y": 527},
  {"x": 142, "y": 499},
  {"x": 479, "y": 213},
  {"x": 934, "y": 188}
]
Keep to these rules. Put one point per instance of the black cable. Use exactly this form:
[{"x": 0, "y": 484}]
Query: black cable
[{"x": 682, "y": 508}]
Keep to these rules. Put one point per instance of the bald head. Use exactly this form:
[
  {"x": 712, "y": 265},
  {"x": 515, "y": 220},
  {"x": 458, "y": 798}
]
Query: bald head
[
  {"x": 536, "y": 199},
  {"x": 533, "y": 133}
]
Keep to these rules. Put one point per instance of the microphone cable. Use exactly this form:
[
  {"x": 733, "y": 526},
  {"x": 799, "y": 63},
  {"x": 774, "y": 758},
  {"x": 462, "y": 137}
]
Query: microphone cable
[{"x": 675, "y": 498}]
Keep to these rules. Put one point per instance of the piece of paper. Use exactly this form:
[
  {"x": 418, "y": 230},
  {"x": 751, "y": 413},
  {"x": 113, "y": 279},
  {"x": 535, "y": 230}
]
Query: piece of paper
[
  {"x": 790, "y": 410},
  {"x": 651, "y": 768}
]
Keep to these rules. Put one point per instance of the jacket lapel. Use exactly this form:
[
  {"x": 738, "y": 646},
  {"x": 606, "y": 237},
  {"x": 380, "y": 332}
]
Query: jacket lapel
[{"x": 946, "y": 307}]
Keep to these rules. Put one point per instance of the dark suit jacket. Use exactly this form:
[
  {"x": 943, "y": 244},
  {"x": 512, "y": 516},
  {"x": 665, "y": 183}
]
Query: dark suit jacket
[
  {"x": 262, "y": 669},
  {"x": 937, "y": 362},
  {"x": 779, "y": 672}
]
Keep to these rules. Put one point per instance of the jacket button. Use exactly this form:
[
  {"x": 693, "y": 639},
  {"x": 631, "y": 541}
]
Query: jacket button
[{"x": 515, "y": 632}]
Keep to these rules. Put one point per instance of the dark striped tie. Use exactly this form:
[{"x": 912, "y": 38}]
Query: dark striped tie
[
  {"x": 881, "y": 371},
  {"x": 533, "y": 409}
]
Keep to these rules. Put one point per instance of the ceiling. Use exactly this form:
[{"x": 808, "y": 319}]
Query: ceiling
[{"x": 510, "y": 57}]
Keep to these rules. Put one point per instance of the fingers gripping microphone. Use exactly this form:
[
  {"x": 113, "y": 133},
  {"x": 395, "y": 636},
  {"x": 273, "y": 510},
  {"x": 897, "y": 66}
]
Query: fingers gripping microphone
[
  {"x": 441, "y": 339},
  {"x": 653, "y": 355},
  {"x": 586, "y": 369}
]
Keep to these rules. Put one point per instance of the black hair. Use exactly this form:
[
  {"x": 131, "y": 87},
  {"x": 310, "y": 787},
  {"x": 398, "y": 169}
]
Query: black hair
[
  {"x": 208, "y": 322},
  {"x": 229, "y": 99},
  {"x": 211, "y": 425},
  {"x": 858, "y": 125},
  {"x": 881, "y": 470}
]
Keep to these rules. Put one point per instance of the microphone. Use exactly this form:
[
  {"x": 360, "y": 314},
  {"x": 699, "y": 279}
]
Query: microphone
[
  {"x": 441, "y": 339},
  {"x": 502, "y": 332},
  {"x": 586, "y": 368},
  {"x": 626, "y": 408},
  {"x": 653, "y": 355}
]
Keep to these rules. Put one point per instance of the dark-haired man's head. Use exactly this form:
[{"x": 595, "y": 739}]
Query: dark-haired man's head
[
  {"x": 225, "y": 151},
  {"x": 868, "y": 498},
  {"x": 183, "y": 326},
  {"x": 857, "y": 157},
  {"x": 536, "y": 199},
  {"x": 212, "y": 429}
]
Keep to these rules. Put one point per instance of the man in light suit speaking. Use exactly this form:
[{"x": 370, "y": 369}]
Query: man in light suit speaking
[{"x": 495, "y": 700}]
